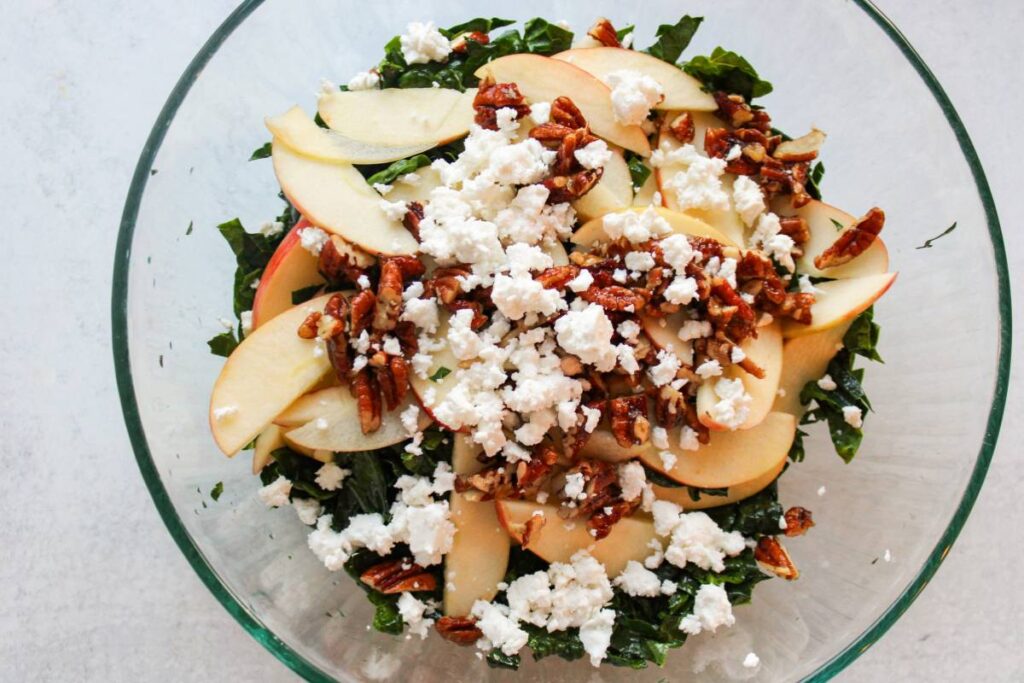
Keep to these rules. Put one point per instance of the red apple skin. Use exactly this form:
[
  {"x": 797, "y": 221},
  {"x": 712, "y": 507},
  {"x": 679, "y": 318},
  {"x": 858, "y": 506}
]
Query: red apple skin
[{"x": 290, "y": 268}]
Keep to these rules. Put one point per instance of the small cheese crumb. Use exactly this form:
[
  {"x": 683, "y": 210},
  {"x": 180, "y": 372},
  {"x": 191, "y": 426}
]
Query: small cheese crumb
[
  {"x": 313, "y": 240},
  {"x": 595, "y": 155},
  {"x": 821, "y": 490},
  {"x": 634, "y": 94},
  {"x": 224, "y": 412},
  {"x": 827, "y": 383},
  {"x": 853, "y": 416},
  {"x": 330, "y": 476},
  {"x": 751, "y": 661},
  {"x": 423, "y": 43},
  {"x": 711, "y": 609},
  {"x": 276, "y": 493},
  {"x": 364, "y": 80}
]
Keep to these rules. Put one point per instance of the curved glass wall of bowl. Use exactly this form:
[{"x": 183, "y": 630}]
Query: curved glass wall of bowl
[{"x": 908, "y": 492}]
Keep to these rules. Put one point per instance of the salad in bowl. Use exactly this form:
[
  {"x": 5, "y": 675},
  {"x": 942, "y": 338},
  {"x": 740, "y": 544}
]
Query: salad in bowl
[{"x": 539, "y": 329}]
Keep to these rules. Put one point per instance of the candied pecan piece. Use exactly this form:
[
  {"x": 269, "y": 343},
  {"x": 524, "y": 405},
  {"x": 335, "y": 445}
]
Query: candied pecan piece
[
  {"x": 500, "y": 481},
  {"x": 565, "y": 112},
  {"x": 707, "y": 247},
  {"x": 459, "y": 630},
  {"x": 682, "y": 127},
  {"x": 413, "y": 216},
  {"x": 567, "y": 188},
  {"x": 565, "y": 159},
  {"x": 531, "y": 528},
  {"x": 491, "y": 96},
  {"x": 734, "y": 110},
  {"x": 529, "y": 475},
  {"x": 398, "y": 368},
  {"x": 337, "y": 353},
  {"x": 310, "y": 326},
  {"x": 803, "y": 148},
  {"x": 615, "y": 298},
  {"x": 798, "y": 521},
  {"x": 341, "y": 262},
  {"x": 604, "y": 32},
  {"x": 556, "y": 277},
  {"x": 550, "y": 134},
  {"x": 394, "y": 271},
  {"x": 367, "y": 392},
  {"x": 629, "y": 422},
  {"x": 398, "y": 576},
  {"x": 602, "y": 521},
  {"x": 362, "y": 307},
  {"x": 669, "y": 407},
  {"x": 461, "y": 44},
  {"x": 852, "y": 242},
  {"x": 770, "y": 553},
  {"x": 445, "y": 285},
  {"x": 796, "y": 228},
  {"x": 577, "y": 436}
]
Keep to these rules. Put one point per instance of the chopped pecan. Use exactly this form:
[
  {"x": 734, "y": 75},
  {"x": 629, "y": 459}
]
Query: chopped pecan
[
  {"x": 530, "y": 530},
  {"x": 567, "y": 188},
  {"x": 445, "y": 284},
  {"x": 734, "y": 110},
  {"x": 398, "y": 576},
  {"x": 669, "y": 407},
  {"x": 682, "y": 127},
  {"x": 479, "y": 319},
  {"x": 341, "y": 262},
  {"x": 310, "y": 326},
  {"x": 615, "y": 298},
  {"x": 362, "y": 307},
  {"x": 459, "y": 630},
  {"x": 629, "y": 421},
  {"x": 556, "y": 277},
  {"x": 565, "y": 159},
  {"x": 796, "y": 228},
  {"x": 529, "y": 475},
  {"x": 413, "y": 216},
  {"x": 804, "y": 148},
  {"x": 367, "y": 392},
  {"x": 770, "y": 553},
  {"x": 602, "y": 521},
  {"x": 394, "y": 271},
  {"x": 565, "y": 112},
  {"x": 461, "y": 45},
  {"x": 550, "y": 134},
  {"x": 604, "y": 32},
  {"x": 491, "y": 97},
  {"x": 852, "y": 242},
  {"x": 578, "y": 436},
  {"x": 798, "y": 521},
  {"x": 505, "y": 481}
]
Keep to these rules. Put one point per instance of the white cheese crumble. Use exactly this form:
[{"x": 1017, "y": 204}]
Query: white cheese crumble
[
  {"x": 330, "y": 476},
  {"x": 748, "y": 199},
  {"x": 574, "y": 484},
  {"x": 668, "y": 459},
  {"x": 540, "y": 112},
  {"x": 636, "y": 580},
  {"x": 500, "y": 630},
  {"x": 666, "y": 368},
  {"x": 853, "y": 416},
  {"x": 594, "y": 155},
  {"x": 383, "y": 188},
  {"x": 423, "y": 43},
  {"x": 821, "y": 490},
  {"x": 751, "y": 661},
  {"x": 634, "y": 94},
  {"x": 826, "y": 383},
  {"x": 635, "y": 226},
  {"x": 596, "y": 635},
  {"x": 587, "y": 334},
  {"x": 699, "y": 185},
  {"x": 694, "y": 329},
  {"x": 224, "y": 412},
  {"x": 688, "y": 440},
  {"x": 271, "y": 228},
  {"x": 276, "y": 493},
  {"x": 711, "y": 609},
  {"x": 581, "y": 282},
  {"x": 413, "y": 610},
  {"x": 364, "y": 80},
  {"x": 308, "y": 510},
  {"x": 313, "y": 240},
  {"x": 245, "y": 317},
  {"x": 709, "y": 368},
  {"x": 681, "y": 291},
  {"x": 768, "y": 237},
  {"x": 632, "y": 480},
  {"x": 806, "y": 286},
  {"x": 694, "y": 538},
  {"x": 733, "y": 405}
]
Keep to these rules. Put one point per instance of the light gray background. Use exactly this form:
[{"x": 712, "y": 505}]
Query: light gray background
[{"x": 91, "y": 585}]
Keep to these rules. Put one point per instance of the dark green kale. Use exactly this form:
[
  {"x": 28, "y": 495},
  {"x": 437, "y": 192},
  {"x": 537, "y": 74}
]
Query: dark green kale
[
  {"x": 797, "y": 452},
  {"x": 217, "y": 490},
  {"x": 813, "y": 184},
  {"x": 695, "y": 492},
  {"x": 301, "y": 296},
  {"x": 440, "y": 374},
  {"x": 659, "y": 479},
  {"x": 223, "y": 344},
  {"x": 860, "y": 340},
  {"x": 262, "y": 152},
  {"x": 638, "y": 170},
  {"x": 726, "y": 70},
  {"x": 621, "y": 34},
  {"x": 672, "y": 39},
  {"x": 399, "y": 168}
]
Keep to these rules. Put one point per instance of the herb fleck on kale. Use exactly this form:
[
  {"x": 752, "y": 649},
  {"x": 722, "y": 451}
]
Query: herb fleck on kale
[
  {"x": 638, "y": 170},
  {"x": 440, "y": 374}
]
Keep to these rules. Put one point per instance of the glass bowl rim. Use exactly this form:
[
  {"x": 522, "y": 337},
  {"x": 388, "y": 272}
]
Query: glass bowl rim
[{"x": 295, "y": 661}]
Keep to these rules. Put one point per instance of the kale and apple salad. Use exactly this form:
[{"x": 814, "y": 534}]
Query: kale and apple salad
[{"x": 540, "y": 326}]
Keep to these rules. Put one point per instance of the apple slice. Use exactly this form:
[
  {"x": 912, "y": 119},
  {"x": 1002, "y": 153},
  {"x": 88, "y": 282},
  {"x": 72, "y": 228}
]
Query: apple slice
[
  {"x": 399, "y": 117},
  {"x": 329, "y": 421},
  {"x": 729, "y": 459},
  {"x": 477, "y": 562},
  {"x": 613, "y": 191},
  {"x": 593, "y": 230},
  {"x": 726, "y": 221},
  {"x": 269, "y": 440},
  {"x": 289, "y": 269},
  {"x": 542, "y": 79},
  {"x": 645, "y": 194},
  {"x": 295, "y": 129},
  {"x": 429, "y": 179},
  {"x": 681, "y": 496},
  {"x": 805, "y": 359},
  {"x": 682, "y": 91},
  {"x": 335, "y": 197},
  {"x": 266, "y": 372},
  {"x": 839, "y": 301},
  {"x": 766, "y": 351},
  {"x": 436, "y": 389},
  {"x": 558, "y": 540},
  {"x": 826, "y": 223}
]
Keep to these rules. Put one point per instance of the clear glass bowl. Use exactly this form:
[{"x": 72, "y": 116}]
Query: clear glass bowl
[{"x": 894, "y": 140}]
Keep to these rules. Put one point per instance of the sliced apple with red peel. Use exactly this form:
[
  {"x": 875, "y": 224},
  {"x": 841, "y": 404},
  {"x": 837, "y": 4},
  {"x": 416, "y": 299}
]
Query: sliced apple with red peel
[
  {"x": 329, "y": 421},
  {"x": 613, "y": 191},
  {"x": 399, "y": 116},
  {"x": 290, "y": 268},
  {"x": 806, "y": 359},
  {"x": 826, "y": 223},
  {"x": 730, "y": 458},
  {"x": 297, "y": 130},
  {"x": 593, "y": 230},
  {"x": 269, "y": 440},
  {"x": 477, "y": 562},
  {"x": 766, "y": 351},
  {"x": 271, "y": 368},
  {"x": 681, "y": 91},
  {"x": 681, "y": 495},
  {"x": 839, "y": 301},
  {"x": 542, "y": 79},
  {"x": 336, "y": 198},
  {"x": 558, "y": 540}
]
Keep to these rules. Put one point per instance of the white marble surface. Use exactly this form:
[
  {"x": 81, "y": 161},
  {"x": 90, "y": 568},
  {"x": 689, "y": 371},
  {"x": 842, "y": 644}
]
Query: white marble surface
[{"x": 92, "y": 587}]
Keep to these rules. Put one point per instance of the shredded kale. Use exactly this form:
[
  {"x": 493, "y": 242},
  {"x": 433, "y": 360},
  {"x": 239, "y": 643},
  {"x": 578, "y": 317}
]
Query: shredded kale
[
  {"x": 217, "y": 489},
  {"x": 621, "y": 34},
  {"x": 440, "y": 374},
  {"x": 813, "y": 185},
  {"x": 726, "y": 70},
  {"x": 262, "y": 152},
  {"x": 399, "y": 168},
  {"x": 928, "y": 243},
  {"x": 672, "y": 39},
  {"x": 797, "y": 452},
  {"x": 860, "y": 340},
  {"x": 223, "y": 344},
  {"x": 301, "y": 296},
  {"x": 695, "y": 492},
  {"x": 638, "y": 170}
]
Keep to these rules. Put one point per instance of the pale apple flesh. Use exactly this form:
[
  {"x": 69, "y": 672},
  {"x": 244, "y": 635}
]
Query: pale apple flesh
[
  {"x": 766, "y": 351},
  {"x": 681, "y": 91},
  {"x": 271, "y": 368},
  {"x": 735, "y": 493},
  {"x": 431, "y": 392},
  {"x": 806, "y": 359},
  {"x": 614, "y": 191},
  {"x": 291, "y": 268},
  {"x": 542, "y": 79},
  {"x": 269, "y": 440},
  {"x": 729, "y": 459},
  {"x": 593, "y": 230},
  {"x": 329, "y": 420},
  {"x": 478, "y": 560},
  {"x": 558, "y": 540},
  {"x": 645, "y": 193},
  {"x": 297, "y": 130},
  {"x": 428, "y": 180},
  {"x": 399, "y": 116},
  {"x": 839, "y": 301},
  {"x": 826, "y": 223},
  {"x": 336, "y": 198}
]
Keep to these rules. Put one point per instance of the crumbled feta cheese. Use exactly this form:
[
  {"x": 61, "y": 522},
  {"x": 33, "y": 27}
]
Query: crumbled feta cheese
[
  {"x": 768, "y": 237},
  {"x": 594, "y": 155},
  {"x": 821, "y": 490},
  {"x": 887, "y": 556},
  {"x": 733, "y": 405},
  {"x": 629, "y": 330},
  {"x": 500, "y": 630},
  {"x": 308, "y": 509},
  {"x": 327, "y": 87},
  {"x": 224, "y": 412},
  {"x": 245, "y": 317},
  {"x": 666, "y": 368},
  {"x": 574, "y": 484},
  {"x": 748, "y": 199},
  {"x": 826, "y": 383},
  {"x": 639, "y": 260},
  {"x": 393, "y": 211},
  {"x": 540, "y": 112},
  {"x": 806, "y": 286},
  {"x": 330, "y": 476},
  {"x": 709, "y": 368},
  {"x": 587, "y": 334},
  {"x": 464, "y": 343},
  {"x": 669, "y": 587},
  {"x": 276, "y": 493},
  {"x": 668, "y": 459},
  {"x": 634, "y": 94},
  {"x": 596, "y": 635},
  {"x": 711, "y": 609},
  {"x": 581, "y": 282},
  {"x": 694, "y": 329},
  {"x": 413, "y": 610},
  {"x": 638, "y": 581},
  {"x": 659, "y": 437},
  {"x": 694, "y": 537},
  {"x": 782, "y": 522},
  {"x": 423, "y": 43},
  {"x": 853, "y": 416},
  {"x": 271, "y": 228},
  {"x": 313, "y": 240},
  {"x": 593, "y": 417},
  {"x": 751, "y": 661},
  {"x": 632, "y": 479},
  {"x": 681, "y": 291},
  {"x": 735, "y": 152},
  {"x": 699, "y": 186},
  {"x": 364, "y": 80},
  {"x": 688, "y": 440},
  {"x": 383, "y": 189},
  {"x": 636, "y": 226},
  {"x": 411, "y": 179}
]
